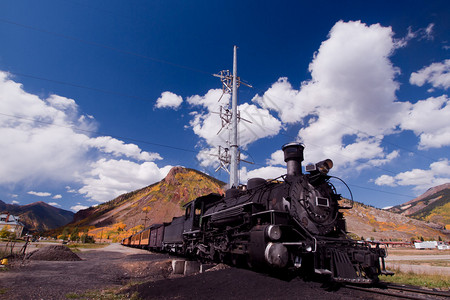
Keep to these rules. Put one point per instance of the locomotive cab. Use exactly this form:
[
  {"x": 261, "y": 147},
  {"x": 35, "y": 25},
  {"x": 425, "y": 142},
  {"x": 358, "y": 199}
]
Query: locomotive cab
[{"x": 195, "y": 209}]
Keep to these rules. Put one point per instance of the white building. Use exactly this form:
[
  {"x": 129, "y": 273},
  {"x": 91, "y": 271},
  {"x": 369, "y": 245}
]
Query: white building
[
  {"x": 426, "y": 245},
  {"x": 11, "y": 223}
]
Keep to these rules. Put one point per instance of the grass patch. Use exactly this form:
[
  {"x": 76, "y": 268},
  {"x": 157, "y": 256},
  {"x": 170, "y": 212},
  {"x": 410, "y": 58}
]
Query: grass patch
[
  {"x": 434, "y": 262},
  {"x": 412, "y": 251},
  {"x": 423, "y": 280},
  {"x": 86, "y": 246},
  {"x": 3, "y": 291},
  {"x": 109, "y": 294}
]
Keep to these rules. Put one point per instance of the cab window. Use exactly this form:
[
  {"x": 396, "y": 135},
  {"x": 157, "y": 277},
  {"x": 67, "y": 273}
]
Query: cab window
[{"x": 188, "y": 212}]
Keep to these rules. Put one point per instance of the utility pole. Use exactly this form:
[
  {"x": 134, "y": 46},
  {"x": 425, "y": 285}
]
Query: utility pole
[
  {"x": 231, "y": 84},
  {"x": 145, "y": 218},
  {"x": 234, "y": 163}
]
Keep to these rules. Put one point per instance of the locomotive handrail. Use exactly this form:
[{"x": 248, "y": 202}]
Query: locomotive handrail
[
  {"x": 351, "y": 195},
  {"x": 308, "y": 233}
]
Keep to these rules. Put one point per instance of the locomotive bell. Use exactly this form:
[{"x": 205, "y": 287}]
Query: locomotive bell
[{"x": 293, "y": 156}]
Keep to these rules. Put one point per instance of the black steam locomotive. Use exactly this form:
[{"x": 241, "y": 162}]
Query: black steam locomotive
[{"x": 290, "y": 224}]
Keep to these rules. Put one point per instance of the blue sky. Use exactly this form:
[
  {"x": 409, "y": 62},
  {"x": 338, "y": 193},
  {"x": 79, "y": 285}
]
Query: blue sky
[{"x": 98, "y": 98}]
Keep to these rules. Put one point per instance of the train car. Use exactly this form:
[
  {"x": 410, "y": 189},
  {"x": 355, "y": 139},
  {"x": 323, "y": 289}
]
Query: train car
[
  {"x": 156, "y": 237},
  {"x": 136, "y": 239},
  {"x": 173, "y": 235},
  {"x": 145, "y": 238},
  {"x": 126, "y": 241}
]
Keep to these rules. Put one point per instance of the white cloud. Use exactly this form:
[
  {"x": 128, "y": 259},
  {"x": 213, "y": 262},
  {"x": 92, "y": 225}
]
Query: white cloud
[
  {"x": 385, "y": 180},
  {"x": 118, "y": 148},
  {"x": 15, "y": 202},
  {"x": 436, "y": 74},
  {"x": 108, "y": 179},
  {"x": 54, "y": 204},
  {"x": 212, "y": 100},
  {"x": 209, "y": 157},
  {"x": 40, "y": 143},
  {"x": 256, "y": 123},
  {"x": 57, "y": 197},
  {"x": 429, "y": 32},
  {"x": 39, "y": 194},
  {"x": 421, "y": 33},
  {"x": 261, "y": 124},
  {"x": 421, "y": 180},
  {"x": 169, "y": 100},
  {"x": 429, "y": 119},
  {"x": 70, "y": 190},
  {"x": 276, "y": 158},
  {"x": 269, "y": 172},
  {"x": 32, "y": 148},
  {"x": 351, "y": 95},
  {"x": 62, "y": 103},
  {"x": 78, "y": 207}
]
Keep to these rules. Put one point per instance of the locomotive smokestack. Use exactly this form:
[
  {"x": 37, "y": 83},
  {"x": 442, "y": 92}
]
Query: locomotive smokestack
[{"x": 293, "y": 156}]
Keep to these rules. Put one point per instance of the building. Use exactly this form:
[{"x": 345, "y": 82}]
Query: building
[{"x": 11, "y": 223}]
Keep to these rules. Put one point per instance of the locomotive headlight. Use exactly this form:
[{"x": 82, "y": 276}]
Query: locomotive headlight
[
  {"x": 273, "y": 232},
  {"x": 324, "y": 166}
]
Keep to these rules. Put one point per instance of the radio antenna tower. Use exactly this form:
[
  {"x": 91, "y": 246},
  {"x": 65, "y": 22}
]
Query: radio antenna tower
[{"x": 228, "y": 79}]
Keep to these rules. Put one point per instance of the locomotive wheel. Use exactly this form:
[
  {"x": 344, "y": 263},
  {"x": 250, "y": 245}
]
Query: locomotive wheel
[
  {"x": 237, "y": 260},
  {"x": 234, "y": 260},
  {"x": 249, "y": 262}
]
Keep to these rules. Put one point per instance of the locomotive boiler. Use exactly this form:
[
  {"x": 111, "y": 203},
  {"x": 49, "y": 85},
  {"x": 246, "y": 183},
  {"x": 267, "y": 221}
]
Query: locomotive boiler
[{"x": 294, "y": 222}]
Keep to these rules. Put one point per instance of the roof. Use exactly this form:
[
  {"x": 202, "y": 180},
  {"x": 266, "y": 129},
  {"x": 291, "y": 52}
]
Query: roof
[{"x": 8, "y": 219}]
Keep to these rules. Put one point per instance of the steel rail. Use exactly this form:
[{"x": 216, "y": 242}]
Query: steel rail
[{"x": 418, "y": 293}]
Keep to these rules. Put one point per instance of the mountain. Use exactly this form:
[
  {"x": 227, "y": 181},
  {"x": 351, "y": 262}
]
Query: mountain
[
  {"x": 39, "y": 216},
  {"x": 432, "y": 206},
  {"x": 370, "y": 222},
  {"x": 161, "y": 201},
  {"x": 156, "y": 203}
]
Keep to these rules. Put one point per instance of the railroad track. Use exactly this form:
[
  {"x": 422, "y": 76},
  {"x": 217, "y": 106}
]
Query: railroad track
[{"x": 401, "y": 291}]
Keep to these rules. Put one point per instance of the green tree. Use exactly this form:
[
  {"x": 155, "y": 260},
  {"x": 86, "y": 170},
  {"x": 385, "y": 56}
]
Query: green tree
[
  {"x": 5, "y": 233},
  {"x": 74, "y": 235},
  {"x": 65, "y": 234}
]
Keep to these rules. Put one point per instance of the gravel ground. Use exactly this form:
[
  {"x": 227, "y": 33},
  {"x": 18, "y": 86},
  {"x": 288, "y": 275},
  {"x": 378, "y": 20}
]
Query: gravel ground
[
  {"x": 109, "y": 267},
  {"x": 234, "y": 283},
  {"x": 116, "y": 266}
]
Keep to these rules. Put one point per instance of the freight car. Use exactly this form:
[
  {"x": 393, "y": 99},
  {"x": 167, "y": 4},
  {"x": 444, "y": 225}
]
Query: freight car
[{"x": 294, "y": 223}]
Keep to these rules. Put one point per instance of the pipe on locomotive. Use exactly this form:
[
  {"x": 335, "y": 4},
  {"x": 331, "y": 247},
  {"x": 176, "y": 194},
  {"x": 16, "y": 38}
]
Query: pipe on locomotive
[{"x": 293, "y": 156}]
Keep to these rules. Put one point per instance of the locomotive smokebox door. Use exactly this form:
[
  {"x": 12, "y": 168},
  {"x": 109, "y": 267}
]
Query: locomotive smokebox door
[{"x": 293, "y": 156}]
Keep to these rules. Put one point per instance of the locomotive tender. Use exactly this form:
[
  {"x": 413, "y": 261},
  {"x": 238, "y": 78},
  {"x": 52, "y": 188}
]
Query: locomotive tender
[{"x": 294, "y": 223}]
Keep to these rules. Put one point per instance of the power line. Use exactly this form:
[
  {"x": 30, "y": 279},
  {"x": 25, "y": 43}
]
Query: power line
[
  {"x": 138, "y": 98},
  {"x": 79, "y": 86},
  {"x": 162, "y": 145},
  {"x": 105, "y": 46},
  {"x": 102, "y": 134},
  {"x": 172, "y": 64},
  {"x": 381, "y": 191},
  {"x": 374, "y": 137},
  {"x": 337, "y": 153}
]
